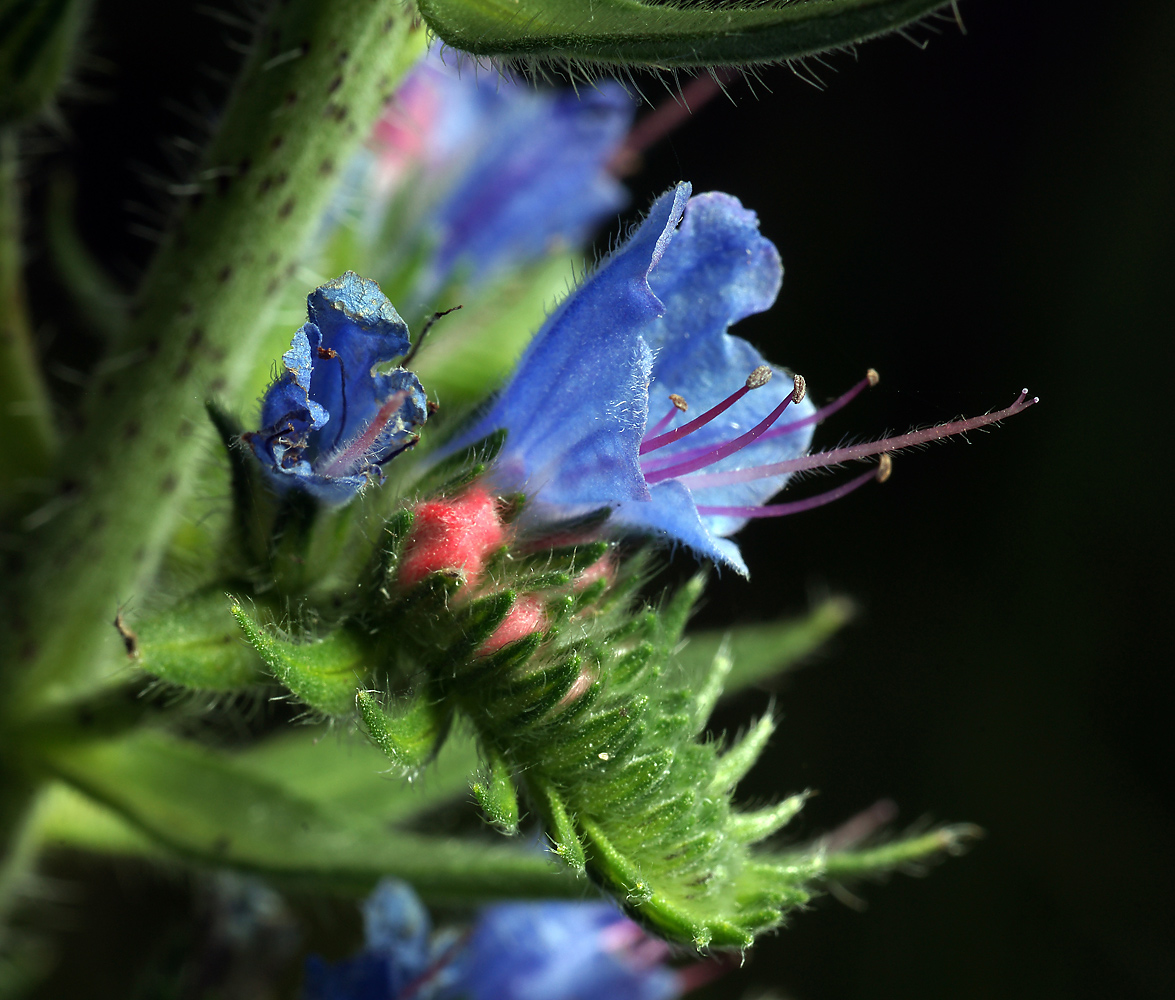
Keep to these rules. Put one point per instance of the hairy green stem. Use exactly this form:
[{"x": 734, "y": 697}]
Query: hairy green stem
[
  {"x": 310, "y": 91},
  {"x": 30, "y": 435}
]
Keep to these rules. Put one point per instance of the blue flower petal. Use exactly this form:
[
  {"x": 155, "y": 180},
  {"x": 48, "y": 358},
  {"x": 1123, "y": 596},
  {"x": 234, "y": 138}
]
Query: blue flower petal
[
  {"x": 672, "y": 514},
  {"x": 552, "y": 951},
  {"x": 539, "y": 178},
  {"x": 718, "y": 270},
  {"x": 577, "y": 406},
  {"x": 363, "y": 329},
  {"x": 329, "y": 421}
]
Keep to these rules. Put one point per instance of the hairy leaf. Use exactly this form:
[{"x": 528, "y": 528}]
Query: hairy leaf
[
  {"x": 208, "y": 807},
  {"x": 639, "y": 32}
]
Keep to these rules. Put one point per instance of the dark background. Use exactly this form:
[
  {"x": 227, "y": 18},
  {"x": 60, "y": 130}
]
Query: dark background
[{"x": 991, "y": 212}]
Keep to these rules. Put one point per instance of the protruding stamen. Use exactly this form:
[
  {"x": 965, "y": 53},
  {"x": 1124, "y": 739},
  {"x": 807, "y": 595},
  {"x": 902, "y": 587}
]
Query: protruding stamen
[
  {"x": 885, "y": 467},
  {"x": 871, "y": 379},
  {"x": 881, "y": 473},
  {"x": 343, "y": 461},
  {"x": 679, "y": 406},
  {"x": 653, "y": 441},
  {"x": 723, "y": 451},
  {"x": 406, "y": 360},
  {"x": 759, "y": 377},
  {"x": 799, "y": 389},
  {"x": 824, "y": 459}
]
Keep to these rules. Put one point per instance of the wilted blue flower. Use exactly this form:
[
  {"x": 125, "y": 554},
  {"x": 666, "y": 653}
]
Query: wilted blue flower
[
  {"x": 657, "y": 311},
  {"x": 498, "y": 171},
  {"x": 330, "y": 420},
  {"x": 515, "y": 951}
]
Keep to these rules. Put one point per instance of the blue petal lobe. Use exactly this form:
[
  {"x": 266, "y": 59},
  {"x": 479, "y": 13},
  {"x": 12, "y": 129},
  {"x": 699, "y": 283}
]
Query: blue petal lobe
[
  {"x": 718, "y": 270},
  {"x": 672, "y": 513},
  {"x": 362, "y": 328},
  {"x": 576, "y": 408}
]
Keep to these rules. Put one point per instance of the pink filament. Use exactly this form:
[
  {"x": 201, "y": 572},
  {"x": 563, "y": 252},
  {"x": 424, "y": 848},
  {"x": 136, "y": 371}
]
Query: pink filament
[
  {"x": 818, "y": 417},
  {"x": 661, "y": 424},
  {"x": 342, "y": 461},
  {"x": 718, "y": 454},
  {"x": 653, "y": 443},
  {"x": 823, "y": 459},
  {"x": 795, "y": 506}
]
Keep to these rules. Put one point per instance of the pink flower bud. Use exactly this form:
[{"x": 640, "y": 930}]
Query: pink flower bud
[{"x": 455, "y": 535}]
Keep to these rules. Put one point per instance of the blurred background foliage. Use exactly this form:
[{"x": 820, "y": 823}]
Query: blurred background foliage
[{"x": 995, "y": 210}]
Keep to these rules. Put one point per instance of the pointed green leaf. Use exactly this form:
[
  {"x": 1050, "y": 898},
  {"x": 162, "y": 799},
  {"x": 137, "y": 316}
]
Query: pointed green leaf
[
  {"x": 907, "y": 852},
  {"x": 410, "y": 732},
  {"x": 758, "y": 652},
  {"x": 196, "y": 644},
  {"x": 649, "y": 33},
  {"x": 345, "y": 773},
  {"x": 200, "y": 804},
  {"x": 324, "y": 673}
]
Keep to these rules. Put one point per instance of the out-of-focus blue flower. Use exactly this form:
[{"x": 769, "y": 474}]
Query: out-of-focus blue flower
[
  {"x": 329, "y": 420},
  {"x": 656, "y": 313},
  {"x": 515, "y": 951},
  {"x": 500, "y": 171}
]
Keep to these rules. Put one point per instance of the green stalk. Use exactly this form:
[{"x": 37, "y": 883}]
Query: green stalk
[
  {"x": 30, "y": 437},
  {"x": 308, "y": 95}
]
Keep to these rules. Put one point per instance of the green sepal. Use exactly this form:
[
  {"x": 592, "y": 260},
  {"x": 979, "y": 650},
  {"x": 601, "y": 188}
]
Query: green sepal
[
  {"x": 395, "y": 533},
  {"x": 196, "y": 643},
  {"x": 460, "y": 469},
  {"x": 410, "y": 733},
  {"x": 495, "y": 793},
  {"x": 324, "y": 673},
  {"x": 501, "y": 664},
  {"x": 751, "y": 827},
  {"x": 37, "y": 43},
  {"x": 733, "y": 765},
  {"x": 559, "y": 825},
  {"x": 570, "y": 559},
  {"x": 911, "y": 853},
  {"x": 646, "y": 33}
]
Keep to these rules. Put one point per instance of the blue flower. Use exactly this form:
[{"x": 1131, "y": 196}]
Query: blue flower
[
  {"x": 504, "y": 171},
  {"x": 515, "y": 951},
  {"x": 656, "y": 314},
  {"x": 329, "y": 420}
]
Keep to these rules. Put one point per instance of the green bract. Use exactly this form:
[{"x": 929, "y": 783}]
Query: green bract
[{"x": 638, "y": 32}]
